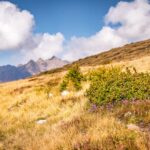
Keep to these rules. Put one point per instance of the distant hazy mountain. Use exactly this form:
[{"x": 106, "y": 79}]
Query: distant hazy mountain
[
  {"x": 35, "y": 67},
  {"x": 10, "y": 73}
]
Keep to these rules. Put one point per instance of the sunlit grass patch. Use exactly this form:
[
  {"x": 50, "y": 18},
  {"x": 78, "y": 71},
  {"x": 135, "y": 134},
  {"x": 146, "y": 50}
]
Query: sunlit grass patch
[{"x": 69, "y": 122}]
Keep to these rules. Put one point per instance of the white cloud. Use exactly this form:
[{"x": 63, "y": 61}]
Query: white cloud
[
  {"x": 133, "y": 17},
  {"x": 127, "y": 22},
  {"x": 43, "y": 46},
  {"x": 16, "y": 32},
  {"x": 101, "y": 41},
  {"x": 124, "y": 23},
  {"x": 15, "y": 26}
]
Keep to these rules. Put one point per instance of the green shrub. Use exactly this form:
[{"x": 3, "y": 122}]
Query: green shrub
[
  {"x": 63, "y": 85},
  {"x": 112, "y": 85},
  {"x": 74, "y": 76}
]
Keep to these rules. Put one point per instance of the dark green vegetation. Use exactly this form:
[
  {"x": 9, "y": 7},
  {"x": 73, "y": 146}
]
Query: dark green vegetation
[
  {"x": 73, "y": 77},
  {"x": 112, "y": 85}
]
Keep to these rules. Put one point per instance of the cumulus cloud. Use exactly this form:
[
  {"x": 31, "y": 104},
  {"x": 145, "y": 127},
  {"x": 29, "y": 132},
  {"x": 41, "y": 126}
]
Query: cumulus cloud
[
  {"x": 101, "y": 41},
  {"x": 133, "y": 17},
  {"x": 43, "y": 46},
  {"x": 15, "y": 26},
  {"x": 16, "y": 33},
  {"x": 124, "y": 23}
]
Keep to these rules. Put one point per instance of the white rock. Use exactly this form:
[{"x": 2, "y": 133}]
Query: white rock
[
  {"x": 64, "y": 93},
  {"x": 50, "y": 95},
  {"x": 41, "y": 121},
  {"x": 133, "y": 127},
  {"x": 127, "y": 114}
]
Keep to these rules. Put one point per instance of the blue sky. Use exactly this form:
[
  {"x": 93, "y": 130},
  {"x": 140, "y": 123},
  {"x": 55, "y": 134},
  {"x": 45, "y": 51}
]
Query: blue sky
[
  {"x": 70, "y": 29},
  {"x": 70, "y": 17}
]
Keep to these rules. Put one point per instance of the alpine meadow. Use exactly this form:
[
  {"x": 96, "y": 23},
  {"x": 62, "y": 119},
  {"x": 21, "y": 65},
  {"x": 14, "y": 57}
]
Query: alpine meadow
[{"x": 70, "y": 90}]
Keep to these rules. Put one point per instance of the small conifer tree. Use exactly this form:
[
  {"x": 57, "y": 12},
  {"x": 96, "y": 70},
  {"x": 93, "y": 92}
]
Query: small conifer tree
[{"x": 74, "y": 76}]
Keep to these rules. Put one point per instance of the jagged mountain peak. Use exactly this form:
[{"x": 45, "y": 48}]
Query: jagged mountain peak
[
  {"x": 54, "y": 58},
  {"x": 32, "y": 67},
  {"x": 30, "y": 61},
  {"x": 40, "y": 60}
]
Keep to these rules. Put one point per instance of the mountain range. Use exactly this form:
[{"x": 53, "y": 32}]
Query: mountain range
[
  {"x": 128, "y": 52},
  {"x": 10, "y": 73}
]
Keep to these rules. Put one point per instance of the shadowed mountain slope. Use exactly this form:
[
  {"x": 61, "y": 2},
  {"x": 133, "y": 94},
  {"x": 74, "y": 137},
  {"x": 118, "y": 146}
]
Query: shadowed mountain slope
[{"x": 10, "y": 73}]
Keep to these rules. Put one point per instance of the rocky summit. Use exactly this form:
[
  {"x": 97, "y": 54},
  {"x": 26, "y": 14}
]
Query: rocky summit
[{"x": 11, "y": 73}]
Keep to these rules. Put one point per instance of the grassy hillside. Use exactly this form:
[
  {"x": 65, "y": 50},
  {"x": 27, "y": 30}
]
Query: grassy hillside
[
  {"x": 35, "y": 116},
  {"x": 128, "y": 52},
  {"x": 70, "y": 122}
]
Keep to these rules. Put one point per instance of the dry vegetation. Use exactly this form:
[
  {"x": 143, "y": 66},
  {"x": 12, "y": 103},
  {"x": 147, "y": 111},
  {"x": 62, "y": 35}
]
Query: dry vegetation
[
  {"x": 71, "y": 123},
  {"x": 126, "y": 53},
  {"x": 129, "y": 52}
]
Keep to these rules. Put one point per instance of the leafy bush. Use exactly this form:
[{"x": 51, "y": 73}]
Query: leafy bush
[
  {"x": 63, "y": 85},
  {"x": 112, "y": 85},
  {"x": 74, "y": 76}
]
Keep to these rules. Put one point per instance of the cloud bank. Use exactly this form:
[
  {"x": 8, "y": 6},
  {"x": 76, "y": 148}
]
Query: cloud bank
[
  {"x": 43, "y": 46},
  {"x": 124, "y": 23},
  {"x": 15, "y": 26},
  {"x": 16, "y": 33}
]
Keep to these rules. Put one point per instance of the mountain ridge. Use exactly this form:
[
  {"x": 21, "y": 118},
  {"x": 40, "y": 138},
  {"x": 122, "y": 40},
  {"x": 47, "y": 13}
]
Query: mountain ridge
[{"x": 11, "y": 73}]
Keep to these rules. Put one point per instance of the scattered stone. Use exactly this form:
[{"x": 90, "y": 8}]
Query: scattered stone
[
  {"x": 133, "y": 127},
  {"x": 127, "y": 114},
  {"x": 41, "y": 121},
  {"x": 65, "y": 93},
  {"x": 50, "y": 95}
]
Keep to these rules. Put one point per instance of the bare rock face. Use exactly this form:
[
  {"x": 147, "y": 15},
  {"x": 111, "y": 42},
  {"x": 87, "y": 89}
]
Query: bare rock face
[
  {"x": 10, "y": 73},
  {"x": 35, "y": 67},
  {"x": 51, "y": 63},
  {"x": 32, "y": 67}
]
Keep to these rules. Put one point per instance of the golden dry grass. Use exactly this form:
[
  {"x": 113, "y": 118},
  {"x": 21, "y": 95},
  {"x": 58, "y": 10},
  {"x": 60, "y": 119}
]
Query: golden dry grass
[{"x": 70, "y": 125}]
